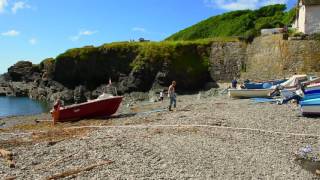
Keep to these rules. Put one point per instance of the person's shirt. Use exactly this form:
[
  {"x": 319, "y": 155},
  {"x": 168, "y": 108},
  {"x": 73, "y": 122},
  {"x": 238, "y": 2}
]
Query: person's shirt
[
  {"x": 171, "y": 91},
  {"x": 234, "y": 83},
  {"x": 161, "y": 94}
]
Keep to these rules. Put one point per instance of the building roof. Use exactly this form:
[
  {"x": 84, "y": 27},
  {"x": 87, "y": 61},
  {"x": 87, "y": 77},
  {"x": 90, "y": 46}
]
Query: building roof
[{"x": 310, "y": 2}]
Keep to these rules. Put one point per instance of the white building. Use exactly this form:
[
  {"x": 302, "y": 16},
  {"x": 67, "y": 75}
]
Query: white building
[{"x": 308, "y": 16}]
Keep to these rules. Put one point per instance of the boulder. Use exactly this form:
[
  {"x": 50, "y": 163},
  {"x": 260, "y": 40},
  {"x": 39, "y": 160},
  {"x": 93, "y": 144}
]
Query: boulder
[
  {"x": 66, "y": 96},
  {"x": 97, "y": 92},
  {"x": 23, "y": 71},
  {"x": 79, "y": 94}
]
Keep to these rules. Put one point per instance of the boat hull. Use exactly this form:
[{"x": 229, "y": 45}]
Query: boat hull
[
  {"x": 316, "y": 91},
  {"x": 310, "y": 110},
  {"x": 263, "y": 85},
  {"x": 96, "y": 108},
  {"x": 310, "y": 107},
  {"x": 249, "y": 93},
  {"x": 311, "y": 96}
]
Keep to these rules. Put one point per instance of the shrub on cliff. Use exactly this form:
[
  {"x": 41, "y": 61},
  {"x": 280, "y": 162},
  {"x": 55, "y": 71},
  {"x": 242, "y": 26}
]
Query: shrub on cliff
[
  {"x": 244, "y": 23},
  {"x": 186, "y": 61}
]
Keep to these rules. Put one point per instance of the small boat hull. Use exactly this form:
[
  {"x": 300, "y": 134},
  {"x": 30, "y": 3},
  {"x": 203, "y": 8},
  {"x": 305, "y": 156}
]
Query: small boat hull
[
  {"x": 263, "y": 85},
  {"x": 96, "y": 108},
  {"x": 311, "y": 96},
  {"x": 310, "y": 110},
  {"x": 315, "y": 91},
  {"x": 249, "y": 93},
  {"x": 310, "y": 107}
]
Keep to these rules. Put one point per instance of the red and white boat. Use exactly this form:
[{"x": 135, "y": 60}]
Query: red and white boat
[{"x": 101, "y": 107}]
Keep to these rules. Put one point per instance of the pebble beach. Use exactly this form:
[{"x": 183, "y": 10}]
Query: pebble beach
[{"x": 204, "y": 138}]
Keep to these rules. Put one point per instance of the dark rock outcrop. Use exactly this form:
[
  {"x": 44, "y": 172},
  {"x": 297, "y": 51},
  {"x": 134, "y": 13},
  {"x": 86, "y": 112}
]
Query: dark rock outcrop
[
  {"x": 82, "y": 73},
  {"x": 79, "y": 94},
  {"x": 24, "y": 71}
]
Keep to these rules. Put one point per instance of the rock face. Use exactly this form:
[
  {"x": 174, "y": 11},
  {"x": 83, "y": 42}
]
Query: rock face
[
  {"x": 272, "y": 57},
  {"x": 23, "y": 71},
  {"x": 83, "y": 73},
  {"x": 227, "y": 60},
  {"x": 135, "y": 67}
]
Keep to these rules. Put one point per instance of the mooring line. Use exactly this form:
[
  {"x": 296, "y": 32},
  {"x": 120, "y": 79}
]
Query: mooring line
[{"x": 196, "y": 126}]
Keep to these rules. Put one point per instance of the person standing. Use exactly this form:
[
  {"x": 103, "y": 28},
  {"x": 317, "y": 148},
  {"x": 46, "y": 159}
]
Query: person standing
[
  {"x": 172, "y": 95},
  {"x": 161, "y": 96},
  {"x": 234, "y": 83}
]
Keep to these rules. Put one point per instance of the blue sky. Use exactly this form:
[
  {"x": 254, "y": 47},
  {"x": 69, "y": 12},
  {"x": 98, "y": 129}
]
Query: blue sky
[{"x": 37, "y": 29}]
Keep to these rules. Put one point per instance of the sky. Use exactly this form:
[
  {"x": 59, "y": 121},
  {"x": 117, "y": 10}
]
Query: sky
[{"x": 37, "y": 29}]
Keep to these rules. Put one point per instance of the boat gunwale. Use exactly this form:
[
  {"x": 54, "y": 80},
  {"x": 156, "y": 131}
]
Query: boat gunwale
[{"x": 89, "y": 102}]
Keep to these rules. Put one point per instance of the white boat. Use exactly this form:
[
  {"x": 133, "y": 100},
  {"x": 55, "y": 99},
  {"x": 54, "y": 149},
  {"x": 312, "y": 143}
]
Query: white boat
[
  {"x": 249, "y": 93},
  {"x": 265, "y": 93}
]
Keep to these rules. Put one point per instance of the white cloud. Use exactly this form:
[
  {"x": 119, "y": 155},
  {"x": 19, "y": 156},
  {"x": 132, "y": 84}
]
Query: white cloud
[
  {"x": 269, "y": 2},
  {"x": 3, "y": 5},
  {"x": 19, "y": 5},
  {"x": 82, "y": 33},
  {"x": 11, "y": 33},
  {"x": 33, "y": 41},
  {"x": 139, "y": 29},
  {"x": 241, "y": 4},
  {"x": 87, "y": 33}
]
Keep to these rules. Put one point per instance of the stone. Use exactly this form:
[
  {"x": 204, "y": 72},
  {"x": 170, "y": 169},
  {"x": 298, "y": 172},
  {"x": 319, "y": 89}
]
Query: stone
[
  {"x": 227, "y": 60},
  {"x": 79, "y": 94},
  {"x": 22, "y": 71}
]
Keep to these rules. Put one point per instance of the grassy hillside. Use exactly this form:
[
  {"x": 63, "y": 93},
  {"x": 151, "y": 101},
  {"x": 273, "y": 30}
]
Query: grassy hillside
[{"x": 243, "y": 23}]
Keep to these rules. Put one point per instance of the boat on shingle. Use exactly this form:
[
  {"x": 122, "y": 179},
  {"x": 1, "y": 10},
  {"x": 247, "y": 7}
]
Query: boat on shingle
[
  {"x": 103, "y": 106},
  {"x": 310, "y": 107}
]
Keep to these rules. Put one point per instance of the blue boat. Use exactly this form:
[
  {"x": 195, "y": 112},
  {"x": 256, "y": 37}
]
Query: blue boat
[
  {"x": 252, "y": 85},
  {"x": 310, "y": 107},
  {"x": 309, "y": 102},
  {"x": 311, "y": 96},
  {"x": 263, "y": 85},
  {"x": 317, "y": 91}
]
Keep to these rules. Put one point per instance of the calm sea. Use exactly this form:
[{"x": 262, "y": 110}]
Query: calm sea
[{"x": 16, "y": 106}]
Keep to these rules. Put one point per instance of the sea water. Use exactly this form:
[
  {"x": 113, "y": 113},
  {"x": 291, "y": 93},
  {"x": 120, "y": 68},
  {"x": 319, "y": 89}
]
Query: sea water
[{"x": 18, "y": 106}]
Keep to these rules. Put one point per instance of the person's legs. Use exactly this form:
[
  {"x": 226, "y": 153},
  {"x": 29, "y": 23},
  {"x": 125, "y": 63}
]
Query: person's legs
[
  {"x": 171, "y": 102},
  {"x": 174, "y": 102}
]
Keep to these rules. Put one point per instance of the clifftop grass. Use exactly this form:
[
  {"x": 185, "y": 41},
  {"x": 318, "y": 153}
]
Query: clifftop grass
[
  {"x": 243, "y": 23},
  {"x": 92, "y": 66},
  {"x": 144, "y": 51}
]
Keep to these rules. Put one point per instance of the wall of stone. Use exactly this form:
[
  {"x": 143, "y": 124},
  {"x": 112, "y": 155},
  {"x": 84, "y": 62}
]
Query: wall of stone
[
  {"x": 312, "y": 19},
  {"x": 227, "y": 60},
  {"x": 271, "y": 57}
]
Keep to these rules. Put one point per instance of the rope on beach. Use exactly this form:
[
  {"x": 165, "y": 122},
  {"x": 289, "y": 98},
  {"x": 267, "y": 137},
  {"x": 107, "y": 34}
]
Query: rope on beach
[
  {"x": 17, "y": 134},
  {"x": 197, "y": 126}
]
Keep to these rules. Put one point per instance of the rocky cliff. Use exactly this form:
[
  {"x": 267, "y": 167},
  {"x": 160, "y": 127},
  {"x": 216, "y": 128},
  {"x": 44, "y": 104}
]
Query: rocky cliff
[{"x": 136, "y": 67}]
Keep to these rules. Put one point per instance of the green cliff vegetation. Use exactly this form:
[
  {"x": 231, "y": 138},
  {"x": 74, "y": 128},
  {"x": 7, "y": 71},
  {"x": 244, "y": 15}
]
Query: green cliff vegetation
[
  {"x": 188, "y": 60},
  {"x": 243, "y": 23}
]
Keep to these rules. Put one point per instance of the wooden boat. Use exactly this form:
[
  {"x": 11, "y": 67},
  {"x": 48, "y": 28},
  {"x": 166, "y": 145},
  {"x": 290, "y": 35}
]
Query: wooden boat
[
  {"x": 310, "y": 107},
  {"x": 101, "y": 107},
  {"x": 249, "y": 93}
]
